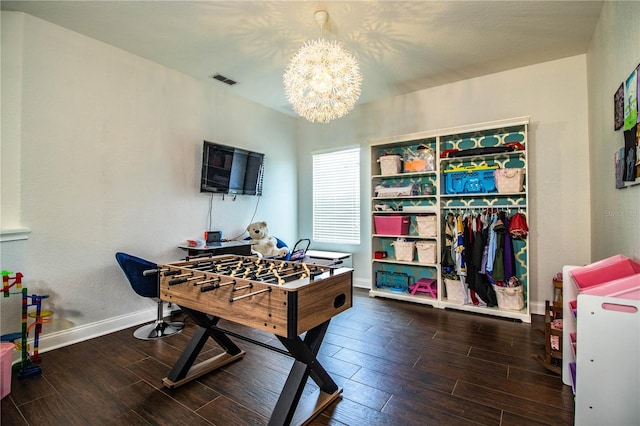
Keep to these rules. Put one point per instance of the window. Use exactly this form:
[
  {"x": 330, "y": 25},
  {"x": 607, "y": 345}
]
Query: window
[{"x": 336, "y": 196}]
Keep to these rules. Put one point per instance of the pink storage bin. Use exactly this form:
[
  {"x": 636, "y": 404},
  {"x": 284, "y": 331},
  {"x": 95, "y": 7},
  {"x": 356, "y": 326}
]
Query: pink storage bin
[
  {"x": 6, "y": 356},
  {"x": 603, "y": 271},
  {"x": 623, "y": 288},
  {"x": 392, "y": 225}
]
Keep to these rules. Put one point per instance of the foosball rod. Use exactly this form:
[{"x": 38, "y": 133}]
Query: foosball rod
[
  {"x": 231, "y": 263},
  {"x": 154, "y": 271},
  {"x": 214, "y": 286},
  {"x": 211, "y": 260},
  {"x": 299, "y": 274},
  {"x": 245, "y": 266},
  {"x": 210, "y": 280},
  {"x": 250, "y": 285},
  {"x": 235, "y": 299},
  {"x": 280, "y": 271},
  {"x": 184, "y": 280},
  {"x": 202, "y": 265}
]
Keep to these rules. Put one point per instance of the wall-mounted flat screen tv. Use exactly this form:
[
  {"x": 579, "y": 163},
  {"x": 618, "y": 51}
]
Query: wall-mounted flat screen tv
[{"x": 230, "y": 170}]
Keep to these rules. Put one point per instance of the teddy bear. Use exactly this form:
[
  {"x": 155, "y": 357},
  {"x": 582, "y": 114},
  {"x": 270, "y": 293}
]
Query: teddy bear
[{"x": 262, "y": 242}]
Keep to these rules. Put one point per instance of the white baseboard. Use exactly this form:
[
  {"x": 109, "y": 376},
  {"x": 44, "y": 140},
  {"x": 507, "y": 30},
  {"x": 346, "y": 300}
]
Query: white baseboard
[
  {"x": 59, "y": 339},
  {"x": 536, "y": 308},
  {"x": 362, "y": 283}
]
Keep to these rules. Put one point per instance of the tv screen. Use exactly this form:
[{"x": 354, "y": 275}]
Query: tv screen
[
  {"x": 253, "y": 174},
  {"x": 216, "y": 168},
  {"x": 229, "y": 170},
  {"x": 238, "y": 168}
]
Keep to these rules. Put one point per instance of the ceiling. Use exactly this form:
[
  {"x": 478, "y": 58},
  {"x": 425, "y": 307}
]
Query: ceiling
[{"x": 402, "y": 46}]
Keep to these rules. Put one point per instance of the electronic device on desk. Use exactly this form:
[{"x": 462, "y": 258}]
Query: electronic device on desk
[
  {"x": 213, "y": 237},
  {"x": 230, "y": 170}
]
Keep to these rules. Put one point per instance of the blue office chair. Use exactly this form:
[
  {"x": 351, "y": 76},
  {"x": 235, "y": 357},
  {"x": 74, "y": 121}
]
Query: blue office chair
[
  {"x": 143, "y": 277},
  {"x": 281, "y": 244}
]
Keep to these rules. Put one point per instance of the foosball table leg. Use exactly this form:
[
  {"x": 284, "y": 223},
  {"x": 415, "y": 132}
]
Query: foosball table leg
[
  {"x": 288, "y": 410},
  {"x": 184, "y": 371}
]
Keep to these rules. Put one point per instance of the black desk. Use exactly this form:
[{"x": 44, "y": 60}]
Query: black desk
[{"x": 242, "y": 248}]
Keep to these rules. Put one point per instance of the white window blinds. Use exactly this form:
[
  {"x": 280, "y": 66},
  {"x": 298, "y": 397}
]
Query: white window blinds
[{"x": 336, "y": 196}]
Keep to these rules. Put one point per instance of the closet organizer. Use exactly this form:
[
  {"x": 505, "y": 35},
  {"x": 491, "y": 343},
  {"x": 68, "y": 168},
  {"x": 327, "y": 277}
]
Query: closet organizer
[{"x": 449, "y": 218}]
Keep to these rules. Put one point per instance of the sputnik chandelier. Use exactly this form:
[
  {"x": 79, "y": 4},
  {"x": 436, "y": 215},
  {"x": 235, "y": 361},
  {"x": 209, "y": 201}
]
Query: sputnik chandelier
[{"x": 322, "y": 81}]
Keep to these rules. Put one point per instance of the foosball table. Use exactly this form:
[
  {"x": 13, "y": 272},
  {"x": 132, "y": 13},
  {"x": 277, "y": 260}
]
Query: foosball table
[{"x": 287, "y": 299}]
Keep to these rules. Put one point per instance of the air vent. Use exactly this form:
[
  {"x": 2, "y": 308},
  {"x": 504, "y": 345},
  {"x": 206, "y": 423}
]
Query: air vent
[{"x": 223, "y": 79}]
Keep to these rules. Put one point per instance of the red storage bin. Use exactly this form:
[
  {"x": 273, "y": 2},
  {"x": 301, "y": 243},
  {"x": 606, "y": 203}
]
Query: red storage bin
[{"x": 392, "y": 225}]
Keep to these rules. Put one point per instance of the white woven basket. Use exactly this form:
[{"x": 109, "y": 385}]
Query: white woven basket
[
  {"x": 509, "y": 180},
  {"x": 426, "y": 251},
  {"x": 404, "y": 250},
  {"x": 390, "y": 164},
  {"x": 455, "y": 291},
  {"x": 511, "y": 298},
  {"x": 427, "y": 225}
]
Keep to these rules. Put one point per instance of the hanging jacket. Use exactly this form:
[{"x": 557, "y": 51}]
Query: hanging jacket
[
  {"x": 509, "y": 257},
  {"x": 498, "y": 262},
  {"x": 447, "y": 259},
  {"x": 491, "y": 252},
  {"x": 459, "y": 247}
]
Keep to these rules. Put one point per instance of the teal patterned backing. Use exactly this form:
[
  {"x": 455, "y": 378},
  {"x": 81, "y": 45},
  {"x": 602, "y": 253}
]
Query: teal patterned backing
[{"x": 485, "y": 138}]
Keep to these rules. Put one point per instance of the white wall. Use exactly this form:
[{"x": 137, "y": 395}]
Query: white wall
[
  {"x": 614, "y": 53},
  {"x": 553, "y": 94},
  {"x": 100, "y": 152},
  {"x": 107, "y": 148}
]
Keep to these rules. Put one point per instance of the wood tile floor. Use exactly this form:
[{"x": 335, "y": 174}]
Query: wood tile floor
[{"x": 398, "y": 363}]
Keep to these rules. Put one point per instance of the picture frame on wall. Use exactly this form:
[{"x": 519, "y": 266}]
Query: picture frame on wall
[
  {"x": 618, "y": 108},
  {"x": 637, "y": 93},
  {"x": 618, "y": 160},
  {"x": 627, "y": 160},
  {"x": 630, "y": 154},
  {"x": 631, "y": 100}
]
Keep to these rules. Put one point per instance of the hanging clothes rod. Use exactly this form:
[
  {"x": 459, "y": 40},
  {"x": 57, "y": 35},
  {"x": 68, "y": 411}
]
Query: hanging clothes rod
[{"x": 495, "y": 206}]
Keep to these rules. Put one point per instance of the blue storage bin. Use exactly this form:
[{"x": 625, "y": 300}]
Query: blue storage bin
[{"x": 470, "y": 181}]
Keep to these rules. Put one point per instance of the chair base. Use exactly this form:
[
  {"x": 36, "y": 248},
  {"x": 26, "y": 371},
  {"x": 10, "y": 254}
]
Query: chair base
[{"x": 158, "y": 330}]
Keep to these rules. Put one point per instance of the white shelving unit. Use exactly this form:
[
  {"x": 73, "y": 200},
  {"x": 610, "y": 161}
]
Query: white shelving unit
[
  {"x": 413, "y": 206},
  {"x": 601, "y": 351},
  {"x": 439, "y": 203}
]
